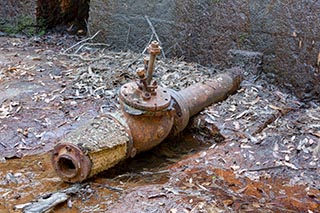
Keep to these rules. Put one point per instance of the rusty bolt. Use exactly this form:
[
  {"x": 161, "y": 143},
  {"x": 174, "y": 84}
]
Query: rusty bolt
[
  {"x": 142, "y": 85},
  {"x": 154, "y": 48},
  {"x": 146, "y": 96},
  {"x": 141, "y": 73},
  {"x": 146, "y": 62}
]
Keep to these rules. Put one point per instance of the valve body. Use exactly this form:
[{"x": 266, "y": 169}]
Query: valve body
[{"x": 148, "y": 114}]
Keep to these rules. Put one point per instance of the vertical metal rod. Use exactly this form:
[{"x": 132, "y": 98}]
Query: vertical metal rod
[
  {"x": 154, "y": 49},
  {"x": 150, "y": 68}
]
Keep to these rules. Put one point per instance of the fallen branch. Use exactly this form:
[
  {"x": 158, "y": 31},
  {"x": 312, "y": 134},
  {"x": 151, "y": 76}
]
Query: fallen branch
[
  {"x": 281, "y": 165},
  {"x": 80, "y": 42},
  {"x": 143, "y": 173},
  {"x": 263, "y": 168},
  {"x": 91, "y": 44},
  {"x": 88, "y": 59},
  {"x": 48, "y": 201}
]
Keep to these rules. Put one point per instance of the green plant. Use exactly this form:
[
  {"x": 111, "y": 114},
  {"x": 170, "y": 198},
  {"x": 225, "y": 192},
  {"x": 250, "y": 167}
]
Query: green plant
[
  {"x": 242, "y": 37},
  {"x": 23, "y": 25}
]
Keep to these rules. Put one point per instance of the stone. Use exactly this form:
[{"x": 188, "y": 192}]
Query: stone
[
  {"x": 250, "y": 61},
  {"x": 203, "y": 31},
  {"x": 17, "y": 14}
]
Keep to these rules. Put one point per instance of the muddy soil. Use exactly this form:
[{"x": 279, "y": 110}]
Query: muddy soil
[{"x": 258, "y": 151}]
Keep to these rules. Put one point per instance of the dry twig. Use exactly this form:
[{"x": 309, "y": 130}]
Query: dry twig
[
  {"x": 155, "y": 34},
  {"x": 80, "y": 42},
  {"x": 143, "y": 173},
  {"x": 47, "y": 202}
]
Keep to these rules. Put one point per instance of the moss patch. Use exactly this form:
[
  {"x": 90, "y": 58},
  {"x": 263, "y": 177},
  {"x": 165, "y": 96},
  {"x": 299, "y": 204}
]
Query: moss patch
[{"x": 23, "y": 24}]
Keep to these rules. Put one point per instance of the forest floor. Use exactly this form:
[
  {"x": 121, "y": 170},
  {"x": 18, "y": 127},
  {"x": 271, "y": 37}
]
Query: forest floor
[{"x": 257, "y": 151}]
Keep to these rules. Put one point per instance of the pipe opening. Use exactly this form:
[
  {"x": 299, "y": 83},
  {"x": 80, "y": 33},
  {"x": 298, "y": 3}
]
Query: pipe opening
[{"x": 67, "y": 167}]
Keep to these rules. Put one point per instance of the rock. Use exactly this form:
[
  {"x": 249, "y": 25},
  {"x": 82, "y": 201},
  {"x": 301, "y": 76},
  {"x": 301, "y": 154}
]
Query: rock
[
  {"x": 250, "y": 61},
  {"x": 204, "y": 31}
]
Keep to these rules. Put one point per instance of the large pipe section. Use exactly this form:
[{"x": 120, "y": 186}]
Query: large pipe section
[{"x": 148, "y": 114}]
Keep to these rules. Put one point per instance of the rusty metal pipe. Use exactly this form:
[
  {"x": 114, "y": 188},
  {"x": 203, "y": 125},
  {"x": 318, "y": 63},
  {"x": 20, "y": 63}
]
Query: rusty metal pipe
[
  {"x": 191, "y": 100},
  {"x": 99, "y": 144},
  {"x": 200, "y": 95},
  {"x": 142, "y": 123}
]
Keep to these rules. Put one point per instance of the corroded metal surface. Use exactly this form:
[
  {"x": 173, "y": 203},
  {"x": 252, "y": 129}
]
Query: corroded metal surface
[
  {"x": 193, "y": 99},
  {"x": 268, "y": 161},
  {"x": 150, "y": 114},
  {"x": 97, "y": 145},
  {"x": 146, "y": 106},
  {"x": 149, "y": 129},
  {"x": 134, "y": 97},
  {"x": 181, "y": 115},
  {"x": 153, "y": 49},
  {"x": 211, "y": 91},
  {"x": 70, "y": 163}
]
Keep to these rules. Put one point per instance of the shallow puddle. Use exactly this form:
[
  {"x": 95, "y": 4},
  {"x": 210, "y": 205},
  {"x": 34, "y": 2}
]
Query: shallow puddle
[{"x": 24, "y": 180}]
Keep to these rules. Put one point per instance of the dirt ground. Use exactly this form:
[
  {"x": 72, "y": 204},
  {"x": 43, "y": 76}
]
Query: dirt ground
[{"x": 257, "y": 151}]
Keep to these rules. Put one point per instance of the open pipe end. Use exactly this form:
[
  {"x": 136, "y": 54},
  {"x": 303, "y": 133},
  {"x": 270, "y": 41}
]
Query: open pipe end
[{"x": 70, "y": 163}]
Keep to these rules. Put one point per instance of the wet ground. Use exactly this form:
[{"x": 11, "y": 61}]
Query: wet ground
[{"x": 258, "y": 151}]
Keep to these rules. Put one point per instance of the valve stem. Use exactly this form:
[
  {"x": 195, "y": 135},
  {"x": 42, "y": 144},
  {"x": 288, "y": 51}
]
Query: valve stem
[{"x": 154, "y": 50}]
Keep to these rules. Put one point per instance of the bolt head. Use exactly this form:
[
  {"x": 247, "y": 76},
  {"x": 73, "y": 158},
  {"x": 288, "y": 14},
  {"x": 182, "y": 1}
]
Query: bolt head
[
  {"x": 154, "y": 48},
  {"x": 141, "y": 73}
]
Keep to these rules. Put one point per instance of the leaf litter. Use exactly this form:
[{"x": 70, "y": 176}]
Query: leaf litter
[{"x": 257, "y": 134}]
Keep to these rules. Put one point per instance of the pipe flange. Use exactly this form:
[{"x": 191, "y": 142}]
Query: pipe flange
[
  {"x": 182, "y": 114},
  {"x": 70, "y": 163},
  {"x": 131, "y": 95}
]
